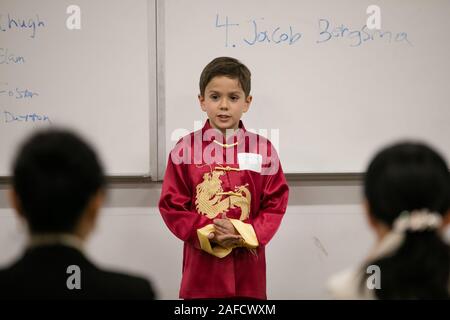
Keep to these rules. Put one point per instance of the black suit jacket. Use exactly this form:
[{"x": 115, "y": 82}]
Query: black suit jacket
[{"x": 41, "y": 273}]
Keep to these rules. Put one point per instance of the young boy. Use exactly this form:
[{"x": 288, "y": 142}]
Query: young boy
[{"x": 224, "y": 193}]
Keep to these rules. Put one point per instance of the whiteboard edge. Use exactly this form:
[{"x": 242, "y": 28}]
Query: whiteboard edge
[
  {"x": 153, "y": 103},
  {"x": 160, "y": 92}
]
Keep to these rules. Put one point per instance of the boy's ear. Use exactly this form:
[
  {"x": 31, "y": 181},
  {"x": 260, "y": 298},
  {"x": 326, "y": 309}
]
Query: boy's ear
[
  {"x": 201, "y": 99},
  {"x": 15, "y": 203},
  {"x": 89, "y": 217},
  {"x": 248, "y": 101},
  {"x": 95, "y": 204},
  {"x": 446, "y": 219}
]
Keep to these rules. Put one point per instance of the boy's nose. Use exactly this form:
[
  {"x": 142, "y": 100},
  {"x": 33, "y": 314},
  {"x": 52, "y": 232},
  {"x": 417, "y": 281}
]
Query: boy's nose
[{"x": 223, "y": 104}]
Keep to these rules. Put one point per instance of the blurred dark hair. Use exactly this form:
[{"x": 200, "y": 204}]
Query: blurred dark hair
[
  {"x": 228, "y": 67},
  {"x": 410, "y": 176},
  {"x": 55, "y": 175}
]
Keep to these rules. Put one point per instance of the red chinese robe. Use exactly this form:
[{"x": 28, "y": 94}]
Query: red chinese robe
[{"x": 206, "y": 178}]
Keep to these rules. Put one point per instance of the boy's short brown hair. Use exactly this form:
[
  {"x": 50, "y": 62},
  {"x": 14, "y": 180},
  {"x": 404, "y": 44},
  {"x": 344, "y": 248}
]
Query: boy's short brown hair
[{"x": 228, "y": 67}]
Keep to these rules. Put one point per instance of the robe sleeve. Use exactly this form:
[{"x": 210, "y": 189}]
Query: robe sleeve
[
  {"x": 247, "y": 232},
  {"x": 273, "y": 203},
  {"x": 175, "y": 204}
]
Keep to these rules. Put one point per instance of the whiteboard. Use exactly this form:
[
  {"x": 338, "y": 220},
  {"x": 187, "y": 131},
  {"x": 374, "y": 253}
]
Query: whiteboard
[
  {"x": 334, "y": 90},
  {"x": 99, "y": 80}
]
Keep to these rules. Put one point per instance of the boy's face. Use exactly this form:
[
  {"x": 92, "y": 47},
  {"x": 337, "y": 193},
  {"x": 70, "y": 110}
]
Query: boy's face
[{"x": 224, "y": 103}]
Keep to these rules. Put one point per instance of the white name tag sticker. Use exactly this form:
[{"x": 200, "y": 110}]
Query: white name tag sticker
[{"x": 250, "y": 161}]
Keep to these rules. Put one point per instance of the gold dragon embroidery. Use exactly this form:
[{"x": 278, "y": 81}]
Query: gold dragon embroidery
[{"x": 211, "y": 200}]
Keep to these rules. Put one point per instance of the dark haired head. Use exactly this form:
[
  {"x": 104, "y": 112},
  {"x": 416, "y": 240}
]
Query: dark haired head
[
  {"x": 406, "y": 177},
  {"x": 228, "y": 67},
  {"x": 55, "y": 175}
]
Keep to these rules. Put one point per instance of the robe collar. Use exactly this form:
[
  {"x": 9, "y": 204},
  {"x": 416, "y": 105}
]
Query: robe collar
[{"x": 230, "y": 141}]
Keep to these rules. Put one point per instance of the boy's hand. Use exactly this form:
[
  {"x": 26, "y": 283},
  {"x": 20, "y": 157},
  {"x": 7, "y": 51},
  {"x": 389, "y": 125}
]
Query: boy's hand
[
  {"x": 225, "y": 234},
  {"x": 224, "y": 227},
  {"x": 225, "y": 240}
]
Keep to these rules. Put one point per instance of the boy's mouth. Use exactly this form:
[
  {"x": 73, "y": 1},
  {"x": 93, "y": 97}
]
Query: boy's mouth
[{"x": 223, "y": 117}]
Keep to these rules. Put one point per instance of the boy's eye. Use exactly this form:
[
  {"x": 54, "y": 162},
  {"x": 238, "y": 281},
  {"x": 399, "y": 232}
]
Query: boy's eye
[
  {"x": 214, "y": 96},
  {"x": 234, "y": 98}
]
